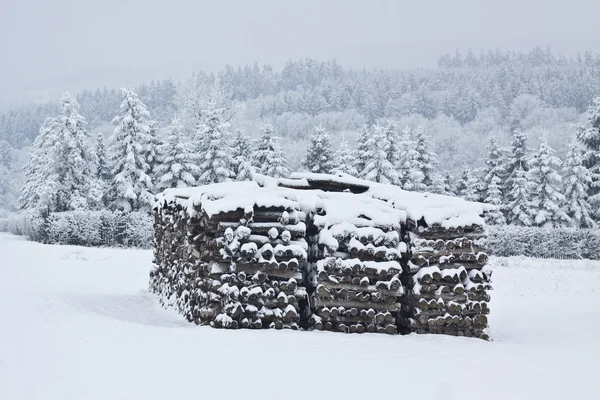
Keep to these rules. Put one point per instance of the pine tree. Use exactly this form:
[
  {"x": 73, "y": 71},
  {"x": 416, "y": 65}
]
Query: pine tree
[
  {"x": 176, "y": 165},
  {"x": 151, "y": 146},
  {"x": 517, "y": 160},
  {"x": 242, "y": 157},
  {"x": 41, "y": 183},
  {"x": 576, "y": 182},
  {"x": 492, "y": 182},
  {"x": 215, "y": 149},
  {"x": 467, "y": 185},
  {"x": 520, "y": 210},
  {"x": 102, "y": 170},
  {"x": 546, "y": 196},
  {"x": 320, "y": 157},
  {"x": 590, "y": 137},
  {"x": 379, "y": 168},
  {"x": 410, "y": 173},
  {"x": 131, "y": 186},
  {"x": 346, "y": 160},
  {"x": 270, "y": 159},
  {"x": 427, "y": 159},
  {"x": 363, "y": 149}
]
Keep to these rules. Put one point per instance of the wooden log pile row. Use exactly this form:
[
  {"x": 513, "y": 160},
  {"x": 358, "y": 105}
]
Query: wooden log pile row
[
  {"x": 234, "y": 269},
  {"x": 355, "y": 270},
  {"x": 448, "y": 282}
]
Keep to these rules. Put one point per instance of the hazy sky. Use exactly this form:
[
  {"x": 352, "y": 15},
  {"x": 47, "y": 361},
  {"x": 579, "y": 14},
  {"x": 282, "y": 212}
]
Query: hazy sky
[{"x": 53, "y": 45}]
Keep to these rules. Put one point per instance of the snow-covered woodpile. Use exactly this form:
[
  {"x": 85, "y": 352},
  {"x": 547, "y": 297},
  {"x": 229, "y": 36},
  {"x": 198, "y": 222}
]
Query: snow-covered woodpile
[
  {"x": 326, "y": 252},
  {"x": 230, "y": 262}
]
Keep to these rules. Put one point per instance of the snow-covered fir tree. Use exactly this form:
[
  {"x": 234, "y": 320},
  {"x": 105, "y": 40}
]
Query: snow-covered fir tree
[
  {"x": 467, "y": 185},
  {"x": 520, "y": 210},
  {"x": 576, "y": 182},
  {"x": 518, "y": 159},
  {"x": 427, "y": 159},
  {"x": 410, "y": 174},
  {"x": 590, "y": 137},
  {"x": 379, "y": 168},
  {"x": 131, "y": 186},
  {"x": 41, "y": 184},
  {"x": 320, "y": 157},
  {"x": 242, "y": 154},
  {"x": 176, "y": 165},
  {"x": 494, "y": 174},
  {"x": 546, "y": 197},
  {"x": 346, "y": 159},
  {"x": 72, "y": 160},
  {"x": 151, "y": 146},
  {"x": 215, "y": 147},
  {"x": 363, "y": 149},
  {"x": 270, "y": 159},
  {"x": 102, "y": 169}
]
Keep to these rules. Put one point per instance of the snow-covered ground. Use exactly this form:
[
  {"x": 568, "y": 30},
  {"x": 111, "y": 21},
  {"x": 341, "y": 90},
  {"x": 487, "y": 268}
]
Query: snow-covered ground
[{"x": 77, "y": 323}]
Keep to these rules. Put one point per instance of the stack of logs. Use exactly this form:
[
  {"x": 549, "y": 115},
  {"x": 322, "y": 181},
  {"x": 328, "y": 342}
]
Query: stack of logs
[
  {"x": 235, "y": 269},
  {"x": 355, "y": 272},
  {"x": 447, "y": 281}
]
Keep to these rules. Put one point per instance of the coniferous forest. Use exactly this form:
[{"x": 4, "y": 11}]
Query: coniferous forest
[{"x": 520, "y": 130}]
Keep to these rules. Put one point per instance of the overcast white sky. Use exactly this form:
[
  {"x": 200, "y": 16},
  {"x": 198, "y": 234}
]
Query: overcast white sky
[{"x": 68, "y": 44}]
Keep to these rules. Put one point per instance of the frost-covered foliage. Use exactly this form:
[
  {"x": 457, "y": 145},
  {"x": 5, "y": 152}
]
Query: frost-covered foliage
[
  {"x": 590, "y": 137},
  {"x": 467, "y": 185},
  {"x": 131, "y": 186},
  {"x": 270, "y": 160},
  {"x": 520, "y": 210},
  {"x": 576, "y": 182},
  {"x": 346, "y": 159},
  {"x": 410, "y": 175},
  {"x": 427, "y": 160},
  {"x": 214, "y": 149},
  {"x": 320, "y": 156},
  {"x": 363, "y": 149},
  {"x": 176, "y": 165},
  {"x": 518, "y": 159},
  {"x": 242, "y": 154},
  {"x": 59, "y": 175},
  {"x": 561, "y": 243},
  {"x": 383, "y": 159},
  {"x": 546, "y": 197},
  {"x": 153, "y": 142},
  {"x": 102, "y": 169},
  {"x": 494, "y": 174}
]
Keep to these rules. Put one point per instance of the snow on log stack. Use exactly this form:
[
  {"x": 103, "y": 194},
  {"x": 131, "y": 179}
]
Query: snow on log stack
[
  {"x": 229, "y": 255},
  {"x": 326, "y": 252}
]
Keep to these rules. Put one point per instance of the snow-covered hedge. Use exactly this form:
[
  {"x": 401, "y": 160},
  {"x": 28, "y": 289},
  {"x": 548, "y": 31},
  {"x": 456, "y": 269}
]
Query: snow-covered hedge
[
  {"x": 84, "y": 228},
  {"x": 561, "y": 243}
]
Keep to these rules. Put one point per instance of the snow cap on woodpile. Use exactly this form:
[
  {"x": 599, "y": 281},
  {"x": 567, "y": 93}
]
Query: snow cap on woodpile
[
  {"x": 447, "y": 211},
  {"x": 223, "y": 197}
]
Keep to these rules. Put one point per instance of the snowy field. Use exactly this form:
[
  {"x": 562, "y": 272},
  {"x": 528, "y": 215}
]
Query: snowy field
[{"x": 77, "y": 323}]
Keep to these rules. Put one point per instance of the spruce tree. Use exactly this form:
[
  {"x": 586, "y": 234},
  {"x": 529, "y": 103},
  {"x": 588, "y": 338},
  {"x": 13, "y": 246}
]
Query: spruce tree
[
  {"x": 467, "y": 185},
  {"x": 215, "y": 150},
  {"x": 493, "y": 182},
  {"x": 426, "y": 159},
  {"x": 576, "y": 182},
  {"x": 242, "y": 157},
  {"x": 590, "y": 137},
  {"x": 517, "y": 160},
  {"x": 151, "y": 147},
  {"x": 546, "y": 196},
  {"x": 176, "y": 164},
  {"x": 131, "y": 186},
  {"x": 102, "y": 170},
  {"x": 379, "y": 168},
  {"x": 410, "y": 173},
  {"x": 320, "y": 157},
  {"x": 519, "y": 210},
  {"x": 40, "y": 187},
  {"x": 363, "y": 149},
  {"x": 346, "y": 160}
]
